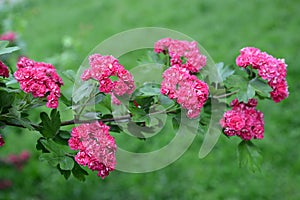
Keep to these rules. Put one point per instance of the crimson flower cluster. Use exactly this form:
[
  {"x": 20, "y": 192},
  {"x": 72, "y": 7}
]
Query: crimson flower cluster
[
  {"x": 102, "y": 69},
  {"x": 182, "y": 53},
  {"x": 40, "y": 79},
  {"x": 96, "y": 147},
  {"x": 178, "y": 81},
  {"x": 269, "y": 68},
  {"x": 243, "y": 120},
  {"x": 10, "y": 36},
  {"x": 3, "y": 70}
]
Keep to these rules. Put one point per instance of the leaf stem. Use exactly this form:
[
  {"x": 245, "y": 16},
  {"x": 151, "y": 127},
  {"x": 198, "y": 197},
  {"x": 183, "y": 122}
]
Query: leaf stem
[{"x": 225, "y": 95}]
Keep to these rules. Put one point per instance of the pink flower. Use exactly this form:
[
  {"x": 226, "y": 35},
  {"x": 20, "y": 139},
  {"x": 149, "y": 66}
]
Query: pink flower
[
  {"x": 96, "y": 147},
  {"x": 269, "y": 68},
  {"x": 10, "y": 36},
  {"x": 17, "y": 160},
  {"x": 243, "y": 120},
  {"x": 2, "y": 142},
  {"x": 182, "y": 53},
  {"x": 40, "y": 79},
  {"x": 102, "y": 69},
  {"x": 190, "y": 92},
  {"x": 3, "y": 70}
]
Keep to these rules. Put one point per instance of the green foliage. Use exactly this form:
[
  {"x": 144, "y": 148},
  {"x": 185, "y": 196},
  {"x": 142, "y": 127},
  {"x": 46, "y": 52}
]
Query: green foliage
[
  {"x": 249, "y": 156},
  {"x": 50, "y": 125},
  {"x": 6, "y": 50}
]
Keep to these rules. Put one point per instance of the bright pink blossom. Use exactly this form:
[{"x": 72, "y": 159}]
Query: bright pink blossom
[
  {"x": 10, "y": 36},
  {"x": 103, "y": 69},
  {"x": 243, "y": 120},
  {"x": 182, "y": 53},
  {"x": 2, "y": 142},
  {"x": 269, "y": 68},
  {"x": 40, "y": 79},
  {"x": 190, "y": 92},
  {"x": 96, "y": 147},
  {"x": 3, "y": 70}
]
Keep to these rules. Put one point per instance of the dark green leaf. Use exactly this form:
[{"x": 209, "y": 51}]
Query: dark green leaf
[
  {"x": 6, "y": 99},
  {"x": 65, "y": 173},
  {"x": 51, "y": 146},
  {"x": 244, "y": 94},
  {"x": 50, "y": 125},
  {"x": 65, "y": 100},
  {"x": 40, "y": 146},
  {"x": 261, "y": 87},
  {"x": 249, "y": 156},
  {"x": 64, "y": 134},
  {"x": 236, "y": 81},
  {"x": 78, "y": 172}
]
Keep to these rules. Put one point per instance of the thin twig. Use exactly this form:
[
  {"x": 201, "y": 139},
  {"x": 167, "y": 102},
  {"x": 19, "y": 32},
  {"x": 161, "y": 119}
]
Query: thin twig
[{"x": 225, "y": 95}]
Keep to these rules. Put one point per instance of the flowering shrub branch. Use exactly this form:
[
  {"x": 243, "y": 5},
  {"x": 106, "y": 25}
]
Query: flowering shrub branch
[{"x": 187, "y": 86}]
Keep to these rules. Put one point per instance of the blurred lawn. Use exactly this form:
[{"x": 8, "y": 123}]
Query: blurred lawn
[{"x": 222, "y": 27}]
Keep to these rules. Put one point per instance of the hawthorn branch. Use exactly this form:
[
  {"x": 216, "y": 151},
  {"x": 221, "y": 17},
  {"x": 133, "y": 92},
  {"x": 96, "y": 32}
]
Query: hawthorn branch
[{"x": 114, "y": 119}]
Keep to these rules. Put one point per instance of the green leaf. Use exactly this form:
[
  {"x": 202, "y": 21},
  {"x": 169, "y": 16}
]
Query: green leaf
[
  {"x": 65, "y": 100},
  {"x": 65, "y": 173},
  {"x": 261, "y": 87},
  {"x": 78, "y": 172},
  {"x": 8, "y": 50},
  {"x": 62, "y": 137},
  {"x": 3, "y": 44},
  {"x": 70, "y": 74},
  {"x": 50, "y": 125},
  {"x": 244, "y": 94},
  {"x": 39, "y": 146},
  {"x": 52, "y": 147},
  {"x": 150, "y": 89},
  {"x": 51, "y": 158},
  {"x": 64, "y": 134},
  {"x": 64, "y": 162},
  {"x": 241, "y": 84},
  {"x": 85, "y": 90},
  {"x": 249, "y": 156},
  {"x": 6, "y": 99},
  {"x": 224, "y": 71}
]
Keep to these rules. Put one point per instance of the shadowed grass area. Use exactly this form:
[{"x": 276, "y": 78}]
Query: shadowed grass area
[{"x": 222, "y": 28}]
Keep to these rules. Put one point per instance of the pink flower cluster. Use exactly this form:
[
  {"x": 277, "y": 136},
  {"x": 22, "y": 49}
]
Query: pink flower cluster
[
  {"x": 96, "y": 147},
  {"x": 190, "y": 92},
  {"x": 103, "y": 68},
  {"x": 10, "y": 36},
  {"x": 2, "y": 142},
  {"x": 243, "y": 120},
  {"x": 17, "y": 160},
  {"x": 40, "y": 79},
  {"x": 269, "y": 68},
  {"x": 183, "y": 53},
  {"x": 3, "y": 70}
]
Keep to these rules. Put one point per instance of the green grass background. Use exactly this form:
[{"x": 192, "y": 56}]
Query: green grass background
[{"x": 222, "y": 28}]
